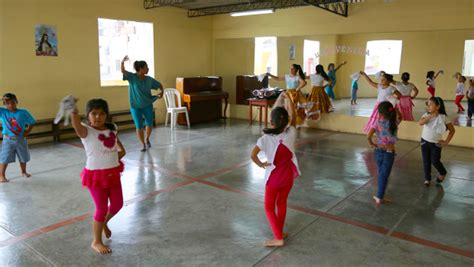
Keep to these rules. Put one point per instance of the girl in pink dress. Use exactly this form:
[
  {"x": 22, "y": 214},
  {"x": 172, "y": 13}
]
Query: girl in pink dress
[
  {"x": 385, "y": 92},
  {"x": 408, "y": 92}
]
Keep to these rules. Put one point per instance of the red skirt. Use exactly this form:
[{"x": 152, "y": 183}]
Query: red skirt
[{"x": 106, "y": 178}]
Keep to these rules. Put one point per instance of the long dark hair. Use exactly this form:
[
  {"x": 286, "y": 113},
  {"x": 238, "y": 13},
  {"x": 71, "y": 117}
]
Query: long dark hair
[
  {"x": 387, "y": 111},
  {"x": 405, "y": 76},
  {"x": 430, "y": 74},
  {"x": 137, "y": 65},
  {"x": 320, "y": 70},
  {"x": 280, "y": 119},
  {"x": 388, "y": 77},
  {"x": 439, "y": 102},
  {"x": 99, "y": 103},
  {"x": 299, "y": 71},
  {"x": 40, "y": 46}
]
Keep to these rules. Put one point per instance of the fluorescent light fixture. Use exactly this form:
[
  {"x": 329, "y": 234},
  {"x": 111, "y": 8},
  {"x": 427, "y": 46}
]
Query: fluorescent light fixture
[{"x": 252, "y": 12}]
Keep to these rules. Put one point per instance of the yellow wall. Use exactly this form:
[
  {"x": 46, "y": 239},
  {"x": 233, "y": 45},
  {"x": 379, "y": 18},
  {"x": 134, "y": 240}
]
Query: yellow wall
[
  {"x": 182, "y": 47},
  {"x": 370, "y": 16}
]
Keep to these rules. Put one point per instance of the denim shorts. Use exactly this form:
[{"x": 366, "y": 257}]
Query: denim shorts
[{"x": 13, "y": 147}]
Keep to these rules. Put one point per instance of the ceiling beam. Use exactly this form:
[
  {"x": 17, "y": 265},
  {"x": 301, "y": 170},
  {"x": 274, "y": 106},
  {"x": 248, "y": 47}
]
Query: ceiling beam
[{"x": 339, "y": 7}]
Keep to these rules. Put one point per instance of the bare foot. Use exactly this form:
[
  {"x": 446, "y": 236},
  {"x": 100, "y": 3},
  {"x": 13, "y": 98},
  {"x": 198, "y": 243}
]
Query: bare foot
[
  {"x": 25, "y": 174},
  {"x": 378, "y": 201},
  {"x": 3, "y": 179},
  {"x": 107, "y": 231},
  {"x": 285, "y": 235},
  {"x": 101, "y": 248},
  {"x": 274, "y": 243}
]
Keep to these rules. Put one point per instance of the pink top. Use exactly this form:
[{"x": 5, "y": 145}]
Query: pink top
[{"x": 384, "y": 136}]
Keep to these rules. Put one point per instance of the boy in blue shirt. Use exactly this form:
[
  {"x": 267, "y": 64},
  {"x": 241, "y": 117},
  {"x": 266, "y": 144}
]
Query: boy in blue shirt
[{"x": 17, "y": 124}]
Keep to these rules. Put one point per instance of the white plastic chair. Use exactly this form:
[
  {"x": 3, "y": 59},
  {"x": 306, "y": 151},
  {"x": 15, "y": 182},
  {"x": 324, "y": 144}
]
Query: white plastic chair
[{"x": 172, "y": 96}]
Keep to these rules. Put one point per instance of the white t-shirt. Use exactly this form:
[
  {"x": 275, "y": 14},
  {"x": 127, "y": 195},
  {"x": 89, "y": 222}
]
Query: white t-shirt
[
  {"x": 431, "y": 82},
  {"x": 434, "y": 129},
  {"x": 384, "y": 94},
  {"x": 404, "y": 89},
  {"x": 460, "y": 89},
  {"x": 101, "y": 149},
  {"x": 316, "y": 79},
  {"x": 268, "y": 143}
]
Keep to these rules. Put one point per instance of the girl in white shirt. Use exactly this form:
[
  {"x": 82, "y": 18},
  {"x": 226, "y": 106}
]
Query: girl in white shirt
[
  {"x": 281, "y": 168},
  {"x": 431, "y": 81},
  {"x": 295, "y": 81},
  {"x": 408, "y": 92},
  {"x": 318, "y": 100},
  {"x": 434, "y": 124},
  {"x": 460, "y": 92},
  {"x": 103, "y": 167},
  {"x": 385, "y": 92}
]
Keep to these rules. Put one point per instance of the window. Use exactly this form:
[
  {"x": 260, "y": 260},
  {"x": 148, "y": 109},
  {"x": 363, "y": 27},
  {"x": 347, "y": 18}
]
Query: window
[
  {"x": 311, "y": 56},
  {"x": 468, "y": 62},
  {"x": 118, "y": 38},
  {"x": 265, "y": 55},
  {"x": 383, "y": 55}
]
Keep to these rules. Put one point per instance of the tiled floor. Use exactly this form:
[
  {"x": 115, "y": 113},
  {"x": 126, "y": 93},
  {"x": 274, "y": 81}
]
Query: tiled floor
[{"x": 195, "y": 199}]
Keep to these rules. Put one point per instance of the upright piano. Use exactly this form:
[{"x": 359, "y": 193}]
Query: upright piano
[
  {"x": 245, "y": 84},
  {"x": 203, "y": 98}
]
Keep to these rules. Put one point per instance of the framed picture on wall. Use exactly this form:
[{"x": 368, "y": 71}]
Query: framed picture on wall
[
  {"x": 46, "y": 40},
  {"x": 292, "y": 52}
]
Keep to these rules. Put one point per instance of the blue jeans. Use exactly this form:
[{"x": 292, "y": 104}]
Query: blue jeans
[{"x": 384, "y": 162}]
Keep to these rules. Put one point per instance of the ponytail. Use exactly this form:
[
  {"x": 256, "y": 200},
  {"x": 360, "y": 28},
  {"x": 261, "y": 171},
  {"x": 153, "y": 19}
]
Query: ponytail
[
  {"x": 280, "y": 120},
  {"x": 299, "y": 71},
  {"x": 388, "y": 111}
]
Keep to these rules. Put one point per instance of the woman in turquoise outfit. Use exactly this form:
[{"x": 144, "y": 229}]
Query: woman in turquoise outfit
[{"x": 332, "y": 76}]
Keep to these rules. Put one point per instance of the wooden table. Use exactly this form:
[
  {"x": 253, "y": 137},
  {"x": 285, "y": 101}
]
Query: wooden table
[{"x": 261, "y": 103}]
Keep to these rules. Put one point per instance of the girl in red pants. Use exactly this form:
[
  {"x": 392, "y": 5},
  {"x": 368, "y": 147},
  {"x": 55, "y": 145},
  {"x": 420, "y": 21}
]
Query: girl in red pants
[
  {"x": 103, "y": 167},
  {"x": 431, "y": 81},
  {"x": 460, "y": 92},
  {"x": 281, "y": 168}
]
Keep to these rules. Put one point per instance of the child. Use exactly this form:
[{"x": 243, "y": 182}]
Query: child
[
  {"x": 385, "y": 92},
  {"x": 386, "y": 130},
  {"x": 295, "y": 81},
  {"x": 434, "y": 124},
  {"x": 408, "y": 92},
  {"x": 470, "y": 99},
  {"x": 103, "y": 167},
  {"x": 460, "y": 92},
  {"x": 17, "y": 124},
  {"x": 278, "y": 144},
  {"x": 332, "y": 76},
  {"x": 354, "y": 87},
  {"x": 430, "y": 81},
  {"x": 318, "y": 100}
]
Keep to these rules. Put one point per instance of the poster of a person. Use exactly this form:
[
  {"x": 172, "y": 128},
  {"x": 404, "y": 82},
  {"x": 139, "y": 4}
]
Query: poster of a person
[{"x": 46, "y": 40}]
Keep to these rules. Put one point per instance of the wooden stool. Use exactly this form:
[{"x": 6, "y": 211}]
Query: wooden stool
[{"x": 261, "y": 103}]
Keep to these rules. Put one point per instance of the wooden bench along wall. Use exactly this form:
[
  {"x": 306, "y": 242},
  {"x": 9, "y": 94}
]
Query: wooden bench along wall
[{"x": 46, "y": 127}]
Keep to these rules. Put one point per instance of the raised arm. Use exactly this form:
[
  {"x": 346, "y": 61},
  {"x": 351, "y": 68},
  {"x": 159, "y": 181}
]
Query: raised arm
[
  {"x": 122, "y": 65},
  {"x": 438, "y": 73},
  {"x": 81, "y": 131},
  {"x": 276, "y": 77},
  {"x": 340, "y": 65},
  {"x": 372, "y": 83}
]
